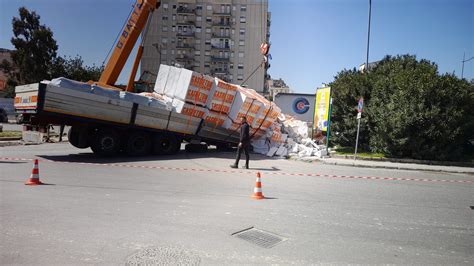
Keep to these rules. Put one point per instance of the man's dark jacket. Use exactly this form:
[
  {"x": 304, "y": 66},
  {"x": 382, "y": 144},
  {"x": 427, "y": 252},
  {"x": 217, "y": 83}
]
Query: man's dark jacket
[{"x": 244, "y": 133}]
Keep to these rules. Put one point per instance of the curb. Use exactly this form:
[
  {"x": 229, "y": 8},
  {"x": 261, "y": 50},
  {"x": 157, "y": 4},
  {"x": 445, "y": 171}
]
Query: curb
[
  {"x": 10, "y": 138},
  {"x": 396, "y": 167},
  {"x": 395, "y": 160}
]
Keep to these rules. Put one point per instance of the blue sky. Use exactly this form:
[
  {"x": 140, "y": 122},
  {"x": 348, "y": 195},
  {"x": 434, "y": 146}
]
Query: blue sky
[{"x": 312, "y": 40}]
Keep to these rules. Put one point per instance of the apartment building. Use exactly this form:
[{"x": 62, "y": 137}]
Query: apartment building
[{"x": 217, "y": 37}]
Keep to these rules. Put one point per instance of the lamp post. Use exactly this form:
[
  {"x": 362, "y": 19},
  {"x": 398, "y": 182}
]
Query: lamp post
[
  {"x": 368, "y": 37},
  {"x": 464, "y": 60}
]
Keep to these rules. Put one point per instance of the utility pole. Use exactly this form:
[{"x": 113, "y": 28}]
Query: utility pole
[
  {"x": 464, "y": 60},
  {"x": 368, "y": 38}
]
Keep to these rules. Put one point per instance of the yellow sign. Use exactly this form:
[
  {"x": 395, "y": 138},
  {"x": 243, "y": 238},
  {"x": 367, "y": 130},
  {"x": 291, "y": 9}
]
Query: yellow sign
[{"x": 321, "y": 109}]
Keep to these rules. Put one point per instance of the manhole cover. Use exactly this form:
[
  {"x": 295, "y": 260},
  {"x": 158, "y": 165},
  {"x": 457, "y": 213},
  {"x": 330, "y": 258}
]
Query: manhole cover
[
  {"x": 259, "y": 237},
  {"x": 163, "y": 256}
]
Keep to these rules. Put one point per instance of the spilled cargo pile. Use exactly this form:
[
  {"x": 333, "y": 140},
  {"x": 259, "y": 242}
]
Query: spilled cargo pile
[{"x": 221, "y": 104}]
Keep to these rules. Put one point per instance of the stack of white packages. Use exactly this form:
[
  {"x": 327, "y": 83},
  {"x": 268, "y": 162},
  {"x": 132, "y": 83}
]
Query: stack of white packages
[
  {"x": 288, "y": 137},
  {"x": 219, "y": 103}
]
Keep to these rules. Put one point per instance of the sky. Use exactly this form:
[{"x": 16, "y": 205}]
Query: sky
[{"x": 312, "y": 40}]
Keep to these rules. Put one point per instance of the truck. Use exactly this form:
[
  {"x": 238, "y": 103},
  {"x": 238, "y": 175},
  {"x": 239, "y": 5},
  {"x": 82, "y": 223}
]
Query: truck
[{"x": 110, "y": 123}]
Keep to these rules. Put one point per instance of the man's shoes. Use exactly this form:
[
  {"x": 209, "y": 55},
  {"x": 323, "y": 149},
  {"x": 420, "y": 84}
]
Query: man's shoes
[
  {"x": 245, "y": 167},
  {"x": 233, "y": 166}
]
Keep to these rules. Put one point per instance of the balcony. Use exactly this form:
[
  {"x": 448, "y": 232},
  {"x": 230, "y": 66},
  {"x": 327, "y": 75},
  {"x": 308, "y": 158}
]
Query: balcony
[
  {"x": 220, "y": 47},
  {"x": 222, "y": 24},
  {"x": 219, "y": 35},
  {"x": 219, "y": 59},
  {"x": 220, "y": 71},
  {"x": 185, "y": 22},
  {"x": 184, "y": 10},
  {"x": 184, "y": 46},
  {"x": 223, "y": 13},
  {"x": 184, "y": 58},
  {"x": 185, "y": 34}
]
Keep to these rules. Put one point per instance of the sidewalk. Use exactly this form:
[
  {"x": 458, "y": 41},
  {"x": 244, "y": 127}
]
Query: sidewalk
[{"x": 393, "y": 165}]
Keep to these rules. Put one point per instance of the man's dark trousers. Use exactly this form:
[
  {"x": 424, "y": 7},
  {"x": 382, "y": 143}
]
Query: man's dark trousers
[{"x": 245, "y": 148}]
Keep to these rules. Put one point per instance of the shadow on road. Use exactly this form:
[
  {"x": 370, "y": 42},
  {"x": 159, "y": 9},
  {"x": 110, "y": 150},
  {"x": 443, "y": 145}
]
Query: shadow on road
[{"x": 182, "y": 155}]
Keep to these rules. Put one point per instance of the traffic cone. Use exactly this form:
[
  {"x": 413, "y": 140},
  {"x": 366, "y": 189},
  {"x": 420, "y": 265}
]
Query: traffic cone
[
  {"x": 257, "y": 192},
  {"x": 34, "y": 177}
]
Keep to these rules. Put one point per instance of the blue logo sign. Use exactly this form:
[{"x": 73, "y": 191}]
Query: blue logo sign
[{"x": 300, "y": 105}]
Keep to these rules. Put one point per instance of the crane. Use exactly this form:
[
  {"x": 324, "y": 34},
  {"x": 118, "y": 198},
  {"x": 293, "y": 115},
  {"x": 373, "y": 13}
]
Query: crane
[{"x": 136, "y": 23}]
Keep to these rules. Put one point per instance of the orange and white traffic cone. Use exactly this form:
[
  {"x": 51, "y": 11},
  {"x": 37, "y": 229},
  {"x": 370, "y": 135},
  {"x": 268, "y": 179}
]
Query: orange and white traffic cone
[
  {"x": 34, "y": 177},
  {"x": 257, "y": 192}
]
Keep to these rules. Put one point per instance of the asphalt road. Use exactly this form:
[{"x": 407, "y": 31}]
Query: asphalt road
[{"x": 185, "y": 209}]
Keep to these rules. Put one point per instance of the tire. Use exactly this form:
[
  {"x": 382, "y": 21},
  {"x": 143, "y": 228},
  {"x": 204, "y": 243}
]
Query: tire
[
  {"x": 165, "y": 144},
  {"x": 79, "y": 137},
  {"x": 106, "y": 142},
  {"x": 138, "y": 144}
]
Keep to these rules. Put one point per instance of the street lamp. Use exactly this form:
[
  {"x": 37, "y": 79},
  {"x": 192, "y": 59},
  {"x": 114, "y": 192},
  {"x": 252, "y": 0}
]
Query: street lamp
[
  {"x": 464, "y": 60},
  {"x": 368, "y": 38}
]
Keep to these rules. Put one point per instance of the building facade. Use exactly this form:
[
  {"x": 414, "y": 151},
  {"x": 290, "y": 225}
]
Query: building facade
[
  {"x": 220, "y": 38},
  {"x": 276, "y": 86}
]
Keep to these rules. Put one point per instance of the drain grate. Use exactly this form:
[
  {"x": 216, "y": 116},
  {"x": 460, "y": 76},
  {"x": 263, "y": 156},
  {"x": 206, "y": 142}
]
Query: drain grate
[{"x": 259, "y": 237}]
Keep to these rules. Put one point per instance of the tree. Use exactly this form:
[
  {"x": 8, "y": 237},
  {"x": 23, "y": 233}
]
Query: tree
[
  {"x": 74, "y": 68},
  {"x": 35, "y": 48},
  {"x": 410, "y": 109}
]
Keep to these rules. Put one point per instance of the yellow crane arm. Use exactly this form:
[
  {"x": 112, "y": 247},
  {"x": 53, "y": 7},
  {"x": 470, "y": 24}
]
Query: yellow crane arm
[{"x": 129, "y": 36}]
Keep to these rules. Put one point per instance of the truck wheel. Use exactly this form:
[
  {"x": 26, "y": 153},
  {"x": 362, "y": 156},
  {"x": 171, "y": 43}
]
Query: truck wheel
[
  {"x": 138, "y": 144},
  {"x": 78, "y": 137},
  {"x": 106, "y": 142},
  {"x": 165, "y": 144}
]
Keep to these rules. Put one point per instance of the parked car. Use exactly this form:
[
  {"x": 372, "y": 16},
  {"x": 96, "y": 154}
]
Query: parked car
[{"x": 3, "y": 116}]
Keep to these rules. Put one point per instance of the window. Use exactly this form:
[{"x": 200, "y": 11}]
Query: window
[
  {"x": 173, "y": 28},
  {"x": 164, "y": 40},
  {"x": 242, "y": 19},
  {"x": 241, "y": 43},
  {"x": 207, "y": 65},
  {"x": 164, "y": 28},
  {"x": 209, "y": 7},
  {"x": 243, "y": 8},
  {"x": 208, "y": 19},
  {"x": 240, "y": 77},
  {"x": 207, "y": 53},
  {"x": 198, "y": 41},
  {"x": 208, "y": 41},
  {"x": 198, "y": 18},
  {"x": 208, "y": 30},
  {"x": 164, "y": 51},
  {"x": 197, "y": 52},
  {"x": 165, "y": 6},
  {"x": 164, "y": 18},
  {"x": 240, "y": 66},
  {"x": 241, "y": 54},
  {"x": 172, "y": 52},
  {"x": 174, "y": 6},
  {"x": 198, "y": 29},
  {"x": 242, "y": 32},
  {"x": 198, "y": 7},
  {"x": 233, "y": 8}
]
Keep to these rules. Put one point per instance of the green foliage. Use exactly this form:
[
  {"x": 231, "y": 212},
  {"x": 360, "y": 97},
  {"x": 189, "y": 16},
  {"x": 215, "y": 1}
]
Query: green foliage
[
  {"x": 35, "y": 48},
  {"x": 35, "y": 57},
  {"x": 409, "y": 110},
  {"x": 74, "y": 68}
]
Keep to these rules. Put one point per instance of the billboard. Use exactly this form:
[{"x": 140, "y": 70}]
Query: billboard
[
  {"x": 300, "y": 106},
  {"x": 321, "y": 111}
]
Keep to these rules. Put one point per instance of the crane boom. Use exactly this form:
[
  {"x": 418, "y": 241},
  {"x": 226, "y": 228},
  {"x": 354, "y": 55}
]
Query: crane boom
[{"x": 128, "y": 37}]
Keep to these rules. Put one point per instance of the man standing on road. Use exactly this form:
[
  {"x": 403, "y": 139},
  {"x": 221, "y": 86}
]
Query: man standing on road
[{"x": 243, "y": 144}]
